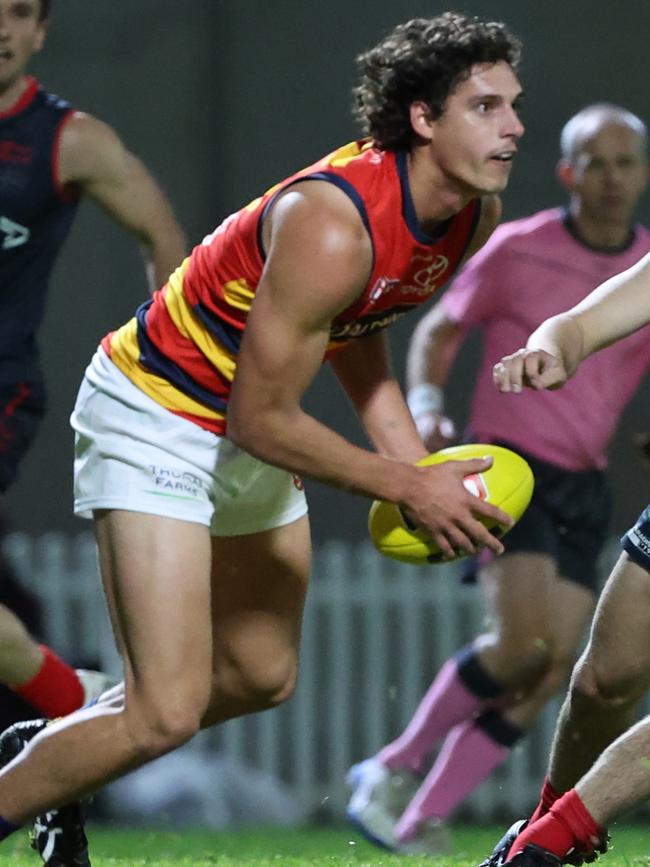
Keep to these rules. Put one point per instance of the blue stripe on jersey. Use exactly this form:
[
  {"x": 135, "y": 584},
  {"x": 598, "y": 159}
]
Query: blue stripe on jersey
[
  {"x": 331, "y": 178},
  {"x": 226, "y": 334},
  {"x": 153, "y": 359},
  {"x": 408, "y": 207}
]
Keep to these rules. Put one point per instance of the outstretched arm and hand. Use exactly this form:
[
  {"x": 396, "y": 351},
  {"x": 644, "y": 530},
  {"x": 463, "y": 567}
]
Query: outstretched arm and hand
[
  {"x": 93, "y": 158},
  {"x": 554, "y": 351},
  {"x": 318, "y": 262}
]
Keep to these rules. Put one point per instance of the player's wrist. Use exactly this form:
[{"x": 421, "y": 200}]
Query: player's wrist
[{"x": 425, "y": 398}]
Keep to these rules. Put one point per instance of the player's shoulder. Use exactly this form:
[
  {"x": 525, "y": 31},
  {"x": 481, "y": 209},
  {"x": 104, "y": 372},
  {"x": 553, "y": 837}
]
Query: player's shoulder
[{"x": 88, "y": 147}]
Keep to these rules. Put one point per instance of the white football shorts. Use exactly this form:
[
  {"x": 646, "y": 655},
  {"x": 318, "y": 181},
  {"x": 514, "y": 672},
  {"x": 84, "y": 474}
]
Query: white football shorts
[{"x": 132, "y": 454}]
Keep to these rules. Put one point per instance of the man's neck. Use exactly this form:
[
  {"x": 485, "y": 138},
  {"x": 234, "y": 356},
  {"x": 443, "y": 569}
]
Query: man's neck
[
  {"x": 435, "y": 199},
  {"x": 600, "y": 235},
  {"x": 10, "y": 95}
]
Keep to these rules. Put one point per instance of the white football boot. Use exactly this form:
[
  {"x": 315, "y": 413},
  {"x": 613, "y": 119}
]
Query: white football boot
[
  {"x": 379, "y": 797},
  {"x": 432, "y": 839}
]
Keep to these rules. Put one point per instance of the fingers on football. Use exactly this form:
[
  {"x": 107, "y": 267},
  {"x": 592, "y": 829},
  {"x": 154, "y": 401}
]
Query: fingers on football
[
  {"x": 488, "y": 510},
  {"x": 479, "y": 537},
  {"x": 470, "y": 466}
]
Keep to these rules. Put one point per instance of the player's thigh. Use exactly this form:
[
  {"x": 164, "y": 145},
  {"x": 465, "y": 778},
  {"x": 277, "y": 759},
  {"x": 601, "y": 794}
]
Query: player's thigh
[
  {"x": 618, "y": 653},
  {"x": 259, "y": 583},
  {"x": 156, "y": 571},
  {"x": 573, "y": 606},
  {"x": 519, "y": 590}
]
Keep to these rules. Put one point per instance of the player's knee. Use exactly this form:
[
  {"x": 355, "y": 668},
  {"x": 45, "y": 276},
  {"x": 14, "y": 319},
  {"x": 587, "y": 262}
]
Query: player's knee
[
  {"x": 524, "y": 662},
  {"x": 605, "y": 688},
  {"x": 157, "y": 728},
  {"x": 556, "y": 675},
  {"x": 267, "y": 683}
]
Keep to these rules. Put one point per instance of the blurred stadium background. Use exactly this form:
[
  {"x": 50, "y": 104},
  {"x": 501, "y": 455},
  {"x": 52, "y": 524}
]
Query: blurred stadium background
[{"x": 222, "y": 98}]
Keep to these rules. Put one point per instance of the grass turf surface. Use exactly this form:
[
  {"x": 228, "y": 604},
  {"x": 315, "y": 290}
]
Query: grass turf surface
[{"x": 294, "y": 848}]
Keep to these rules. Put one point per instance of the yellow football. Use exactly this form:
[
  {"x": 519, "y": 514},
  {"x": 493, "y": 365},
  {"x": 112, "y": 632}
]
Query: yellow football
[{"x": 508, "y": 484}]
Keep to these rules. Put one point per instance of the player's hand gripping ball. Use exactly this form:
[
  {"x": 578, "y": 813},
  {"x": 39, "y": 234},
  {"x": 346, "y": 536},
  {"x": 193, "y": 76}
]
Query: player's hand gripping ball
[{"x": 508, "y": 484}]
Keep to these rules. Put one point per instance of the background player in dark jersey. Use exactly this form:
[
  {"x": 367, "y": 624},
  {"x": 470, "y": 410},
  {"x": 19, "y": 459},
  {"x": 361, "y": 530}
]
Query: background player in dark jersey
[
  {"x": 198, "y": 398},
  {"x": 599, "y": 760},
  {"x": 50, "y": 157}
]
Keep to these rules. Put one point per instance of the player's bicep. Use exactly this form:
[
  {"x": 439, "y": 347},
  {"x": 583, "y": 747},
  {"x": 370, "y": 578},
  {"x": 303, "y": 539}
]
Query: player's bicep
[
  {"x": 94, "y": 158},
  {"x": 317, "y": 265}
]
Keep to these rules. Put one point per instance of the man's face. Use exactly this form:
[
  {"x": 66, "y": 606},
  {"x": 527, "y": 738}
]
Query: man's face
[
  {"x": 21, "y": 35},
  {"x": 608, "y": 174},
  {"x": 475, "y": 139}
]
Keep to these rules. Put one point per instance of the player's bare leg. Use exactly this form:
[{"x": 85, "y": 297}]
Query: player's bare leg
[
  {"x": 620, "y": 777},
  {"x": 259, "y": 583},
  {"x": 610, "y": 677},
  {"x": 158, "y": 571},
  {"x": 573, "y": 605},
  {"x": 37, "y": 674},
  {"x": 529, "y": 640},
  {"x": 529, "y": 652},
  {"x": 20, "y": 655}
]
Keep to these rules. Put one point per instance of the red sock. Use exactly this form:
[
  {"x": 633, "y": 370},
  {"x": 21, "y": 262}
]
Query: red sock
[
  {"x": 548, "y": 797},
  {"x": 55, "y": 690},
  {"x": 567, "y": 825}
]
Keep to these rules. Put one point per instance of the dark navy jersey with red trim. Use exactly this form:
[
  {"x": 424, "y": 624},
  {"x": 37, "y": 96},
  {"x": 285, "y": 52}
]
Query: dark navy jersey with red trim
[{"x": 35, "y": 217}]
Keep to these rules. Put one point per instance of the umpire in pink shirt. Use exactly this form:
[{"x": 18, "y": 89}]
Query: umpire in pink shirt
[{"x": 542, "y": 590}]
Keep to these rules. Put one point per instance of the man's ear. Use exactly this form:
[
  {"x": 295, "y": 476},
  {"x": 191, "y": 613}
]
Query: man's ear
[
  {"x": 40, "y": 36},
  {"x": 421, "y": 121},
  {"x": 566, "y": 175}
]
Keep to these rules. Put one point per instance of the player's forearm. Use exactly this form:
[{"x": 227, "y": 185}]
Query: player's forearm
[
  {"x": 432, "y": 350},
  {"x": 389, "y": 424},
  {"x": 299, "y": 443},
  {"x": 162, "y": 255}
]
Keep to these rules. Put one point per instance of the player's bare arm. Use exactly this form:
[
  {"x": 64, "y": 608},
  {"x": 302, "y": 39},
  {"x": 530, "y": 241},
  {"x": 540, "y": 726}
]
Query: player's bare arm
[
  {"x": 94, "y": 158},
  {"x": 364, "y": 370},
  {"x": 433, "y": 348},
  {"x": 554, "y": 351},
  {"x": 319, "y": 258}
]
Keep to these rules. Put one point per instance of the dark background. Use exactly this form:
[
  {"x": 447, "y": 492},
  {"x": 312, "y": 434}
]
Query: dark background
[{"x": 224, "y": 97}]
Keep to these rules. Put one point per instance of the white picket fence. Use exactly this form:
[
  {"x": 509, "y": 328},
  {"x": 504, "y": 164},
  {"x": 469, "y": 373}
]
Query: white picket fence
[{"x": 375, "y": 633}]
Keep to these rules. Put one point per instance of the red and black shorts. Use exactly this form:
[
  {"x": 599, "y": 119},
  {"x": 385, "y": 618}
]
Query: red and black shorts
[{"x": 22, "y": 406}]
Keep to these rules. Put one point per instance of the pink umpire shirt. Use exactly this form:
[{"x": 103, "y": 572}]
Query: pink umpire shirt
[{"x": 529, "y": 270}]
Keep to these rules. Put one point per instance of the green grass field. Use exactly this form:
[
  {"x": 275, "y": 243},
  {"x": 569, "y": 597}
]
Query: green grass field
[{"x": 278, "y": 847}]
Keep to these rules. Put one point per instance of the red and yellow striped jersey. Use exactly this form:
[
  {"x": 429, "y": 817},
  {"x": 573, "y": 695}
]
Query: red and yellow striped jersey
[{"x": 181, "y": 346}]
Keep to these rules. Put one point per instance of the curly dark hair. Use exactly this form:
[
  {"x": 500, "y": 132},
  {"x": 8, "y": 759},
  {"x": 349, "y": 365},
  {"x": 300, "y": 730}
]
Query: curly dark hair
[
  {"x": 424, "y": 59},
  {"x": 45, "y": 9}
]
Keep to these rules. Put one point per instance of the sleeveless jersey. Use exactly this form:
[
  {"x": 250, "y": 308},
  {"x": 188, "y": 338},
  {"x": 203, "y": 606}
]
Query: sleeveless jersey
[
  {"x": 181, "y": 347},
  {"x": 35, "y": 217}
]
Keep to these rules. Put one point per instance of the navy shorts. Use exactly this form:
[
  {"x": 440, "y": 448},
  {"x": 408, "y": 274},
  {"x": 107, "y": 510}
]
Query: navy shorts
[
  {"x": 637, "y": 540},
  {"x": 567, "y": 519},
  {"x": 22, "y": 407}
]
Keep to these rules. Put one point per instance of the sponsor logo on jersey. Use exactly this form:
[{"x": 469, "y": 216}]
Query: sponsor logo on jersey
[
  {"x": 369, "y": 323},
  {"x": 13, "y": 234},
  {"x": 429, "y": 275}
]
